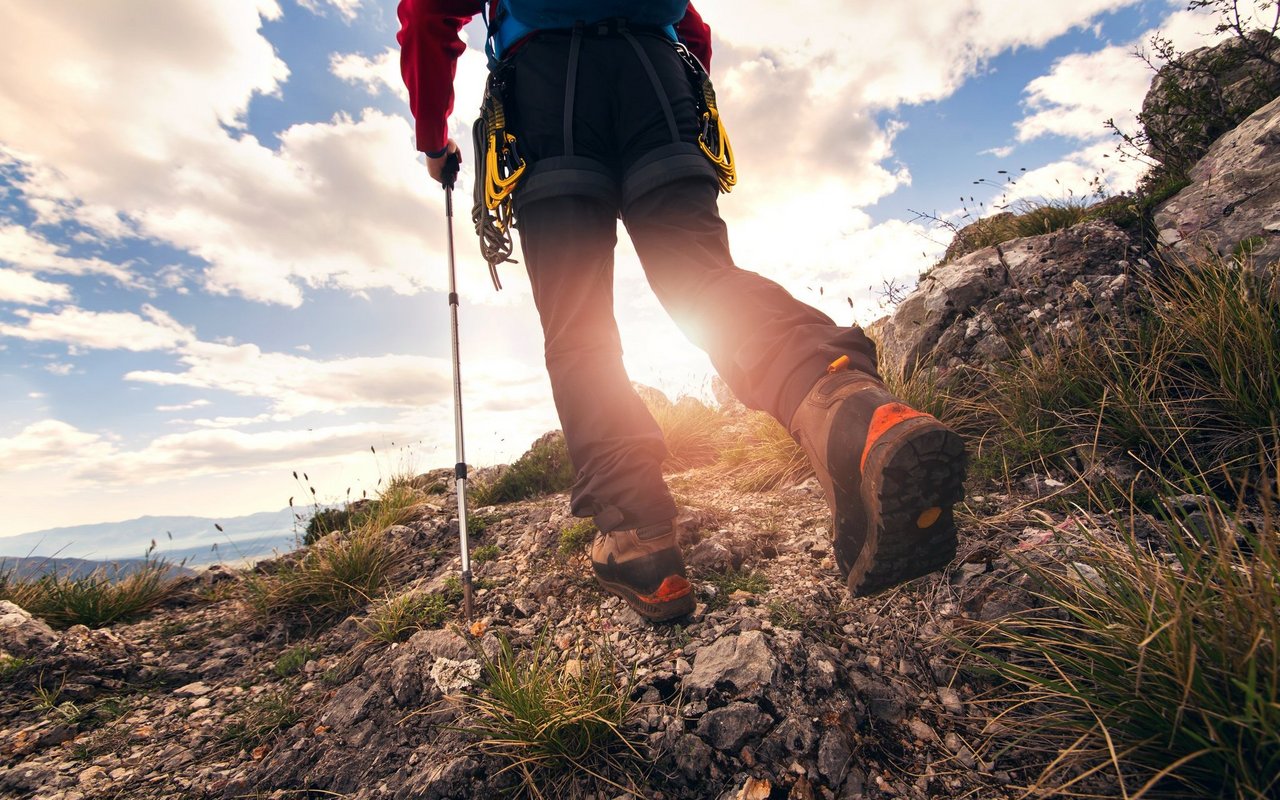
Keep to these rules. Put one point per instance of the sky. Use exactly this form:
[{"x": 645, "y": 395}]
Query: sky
[{"x": 222, "y": 261}]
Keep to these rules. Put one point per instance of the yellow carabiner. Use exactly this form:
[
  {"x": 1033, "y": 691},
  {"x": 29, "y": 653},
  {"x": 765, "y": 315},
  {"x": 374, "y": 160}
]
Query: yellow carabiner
[
  {"x": 497, "y": 187},
  {"x": 720, "y": 151}
]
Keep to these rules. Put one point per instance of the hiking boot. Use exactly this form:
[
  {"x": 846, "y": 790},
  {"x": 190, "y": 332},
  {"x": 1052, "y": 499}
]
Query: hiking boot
[
  {"x": 891, "y": 475},
  {"x": 646, "y": 568}
]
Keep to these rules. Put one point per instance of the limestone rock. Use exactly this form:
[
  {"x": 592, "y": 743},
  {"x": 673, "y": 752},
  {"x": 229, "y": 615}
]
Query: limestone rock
[
  {"x": 1206, "y": 93},
  {"x": 728, "y": 728},
  {"x": 743, "y": 662},
  {"x": 1233, "y": 202},
  {"x": 976, "y": 309},
  {"x": 22, "y": 635},
  {"x": 452, "y": 778}
]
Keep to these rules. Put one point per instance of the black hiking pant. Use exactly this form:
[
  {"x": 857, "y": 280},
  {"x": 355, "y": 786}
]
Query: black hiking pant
[{"x": 607, "y": 122}]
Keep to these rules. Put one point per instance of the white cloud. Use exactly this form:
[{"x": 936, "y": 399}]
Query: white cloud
[
  {"x": 101, "y": 330},
  {"x": 20, "y": 287},
  {"x": 58, "y": 368},
  {"x": 209, "y": 452},
  {"x": 346, "y": 8},
  {"x": 183, "y": 406},
  {"x": 1083, "y": 90},
  {"x": 808, "y": 107},
  {"x": 27, "y": 250},
  {"x": 48, "y": 442},
  {"x": 1076, "y": 176},
  {"x": 89, "y": 459},
  {"x": 378, "y": 74},
  {"x": 297, "y": 385},
  {"x": 340, "y": 203}
]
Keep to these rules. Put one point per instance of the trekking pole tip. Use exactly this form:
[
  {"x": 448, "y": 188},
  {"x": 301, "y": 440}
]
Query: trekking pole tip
[{"x": 467, "y": 603}]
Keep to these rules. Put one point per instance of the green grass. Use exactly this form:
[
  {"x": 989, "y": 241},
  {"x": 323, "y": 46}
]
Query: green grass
[
  {"x": 394, "y": 505},
  {"x": 691, "y": 430},
  {"x": 1026, "y": 219},
  {"x": 544, "y": 469},
  {"x": 577, "y": 537},
  {"x": 262, "y": 717},
  {"x": 761, "y": 456},
  {"x": 726, "y": 583},
  {"x": 293, "y": 659},
  {"x": 477, "y": 524},
  {"x": 397, "y": 618},
  {"x": 1191, "y": 383},
  {"x": 329, "y": 580},
  {"x": 557, "y": 723},
  {"x": 1159, "y": 668},
  {"x": 483, "y": 553},
  {"x": 12, "y": 666},
  {"x": 101, "y": 598}
]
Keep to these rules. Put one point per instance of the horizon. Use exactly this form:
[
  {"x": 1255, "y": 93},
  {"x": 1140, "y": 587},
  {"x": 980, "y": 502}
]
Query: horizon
[{"x": 221, "y": 259}]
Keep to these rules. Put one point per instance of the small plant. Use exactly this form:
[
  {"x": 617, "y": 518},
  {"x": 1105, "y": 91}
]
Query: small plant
[
  {"x": 1016, "y": 220},
  {"x": 328, "y": 581},
  {"x": 691, "y": 430},
  {"x": 293, "y": 659},
  {"x": 452, "y": 591},
  {"x": 483, "y": 553},
  {"x": 1160, "y": 668},
  {"x": 394, "y": 505},
  {"x": 557, "y": 723},
  {"x": 398, "y": 617},
  {"x": 262, "y": 717},
  {"x": 97, "y": 599},
  {"x": 734, "y": 580},
  {"x": 544, "y": 469},
  {"x": 763, "y": 456},
  {"x": 577, "y": 537},
  {"x": 11, "y": 666},
  {"x": 478, "y": 524}
]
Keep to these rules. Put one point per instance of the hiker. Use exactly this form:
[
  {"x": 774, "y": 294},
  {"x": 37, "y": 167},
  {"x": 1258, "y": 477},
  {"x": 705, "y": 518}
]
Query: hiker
[{"x": 596, "y": 114}]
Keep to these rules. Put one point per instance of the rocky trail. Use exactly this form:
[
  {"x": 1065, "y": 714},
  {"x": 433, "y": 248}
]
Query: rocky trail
[{"x": 781, "y": 686}]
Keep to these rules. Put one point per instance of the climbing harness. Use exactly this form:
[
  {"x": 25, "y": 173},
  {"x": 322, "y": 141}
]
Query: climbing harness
[
  {"x": 500, "y": 166},
  {"x": 713, "y": 140},
  {"x": 498, "y": 170}
]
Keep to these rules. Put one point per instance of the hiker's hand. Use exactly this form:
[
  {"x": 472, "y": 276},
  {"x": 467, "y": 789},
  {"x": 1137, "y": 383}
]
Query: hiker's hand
[{"x": 436, "y": 166}]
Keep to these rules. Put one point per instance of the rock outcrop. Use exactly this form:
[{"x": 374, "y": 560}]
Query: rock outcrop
[
  {"x": 1017, "y": 297},
  {"x": 977, "y": 309},
  {"x": 1232, "y": 207},
  {"x": 1201, "y": 95}
]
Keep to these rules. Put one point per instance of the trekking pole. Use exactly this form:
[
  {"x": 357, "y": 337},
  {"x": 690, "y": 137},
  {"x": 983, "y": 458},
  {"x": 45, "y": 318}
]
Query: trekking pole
[{"x": 451, "y": 166}]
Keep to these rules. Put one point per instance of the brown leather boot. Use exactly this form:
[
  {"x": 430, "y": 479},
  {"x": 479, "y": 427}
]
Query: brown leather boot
[
  {"x": 891, "y": 475},
  {"x": 645, "y": 568}
]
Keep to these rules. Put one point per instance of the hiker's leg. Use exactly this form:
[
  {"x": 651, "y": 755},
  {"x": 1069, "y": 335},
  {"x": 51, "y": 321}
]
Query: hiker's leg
[
  {"x": 768, "y": 346},
  {"x": 567, "y": 209},
  {"x": 613, "y": 442}
]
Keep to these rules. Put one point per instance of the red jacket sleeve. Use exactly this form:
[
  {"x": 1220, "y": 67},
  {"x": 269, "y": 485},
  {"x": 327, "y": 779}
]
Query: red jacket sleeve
[
  {"x": 696, "y": 35},
  {"x": 429, "y": 51}
]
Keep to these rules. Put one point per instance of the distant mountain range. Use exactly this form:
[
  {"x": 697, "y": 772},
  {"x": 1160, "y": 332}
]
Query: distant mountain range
[
  {"x": 195, "y": 539},
  {"x": 27, "y": 568}
]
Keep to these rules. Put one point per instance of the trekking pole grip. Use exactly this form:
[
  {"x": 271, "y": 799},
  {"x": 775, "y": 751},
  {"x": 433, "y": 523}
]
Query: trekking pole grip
[{"x": 452, "y": 163}]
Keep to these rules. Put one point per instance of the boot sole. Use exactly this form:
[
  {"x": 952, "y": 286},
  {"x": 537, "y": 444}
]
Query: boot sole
[
  {"x": 912, "y": 476},
  {"x": 660, "y": 611}
]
